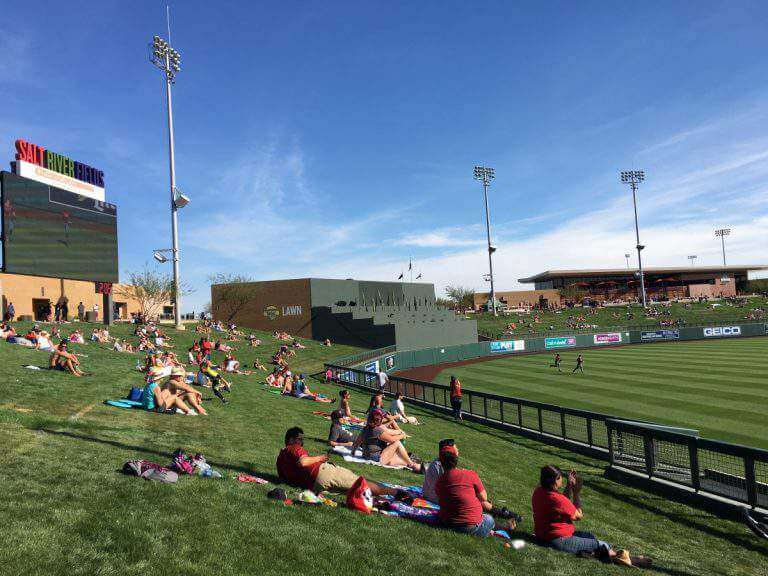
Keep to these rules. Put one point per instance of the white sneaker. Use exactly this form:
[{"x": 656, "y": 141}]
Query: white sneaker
[{"x": 191, "y": 413}]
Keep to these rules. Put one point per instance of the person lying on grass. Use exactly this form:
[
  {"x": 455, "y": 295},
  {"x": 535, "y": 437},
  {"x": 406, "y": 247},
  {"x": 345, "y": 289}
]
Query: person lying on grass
[
  {"x": 232, "y": 365},
  {"x": 297, "y": 468},
  {"x": 464, "y": 505},
  {"x": 554, "y": 514},
  {"x": 338, "y": 436},
  {"x": 382, "y": 444},
  {"x": 257, "y": 365},
  {"x": 63, "y": 360}
]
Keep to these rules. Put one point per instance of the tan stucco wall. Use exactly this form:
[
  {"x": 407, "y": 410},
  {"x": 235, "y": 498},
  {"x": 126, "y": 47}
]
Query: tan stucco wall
[
  {"x": 519, "y": 298},
  {"x": 21, "y": 290}
]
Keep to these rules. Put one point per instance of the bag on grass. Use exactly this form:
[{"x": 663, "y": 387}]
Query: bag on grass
[
  {"x": 182, "y": 463},
  {"x": 149, "y": 471},
  {"x": 135, "y": 394},
  {"x": 359, "y": 497}
]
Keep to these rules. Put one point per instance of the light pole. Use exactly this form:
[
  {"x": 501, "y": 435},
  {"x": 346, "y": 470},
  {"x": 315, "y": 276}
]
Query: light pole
[
  {"x": 723, "y": 232},
  {"x": 626, "y": 257},
  {"x": 633, "y": 178},
  {"x": 485, "y": 175},
  {"x": 169, "y": 60},
  {"x": 692, "y": 258}
]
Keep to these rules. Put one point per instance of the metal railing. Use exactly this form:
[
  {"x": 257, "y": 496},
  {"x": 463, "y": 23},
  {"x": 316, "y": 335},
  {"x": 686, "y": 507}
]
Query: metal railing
[
  {"x": 708, "y": 467},
  {"x": 581, "y": 428},
  {"x": 704, "y": 466},
  {"x": 364, "y": 356}
]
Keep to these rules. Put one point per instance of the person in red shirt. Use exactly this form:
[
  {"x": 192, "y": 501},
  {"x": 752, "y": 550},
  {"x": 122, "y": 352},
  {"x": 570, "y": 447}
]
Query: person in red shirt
[
  {"x": 554, "y": 514},
  {"x": 298, "y": 469},
  {"x": 456, "y": 397},
  {"x": 464, "y": 505}
]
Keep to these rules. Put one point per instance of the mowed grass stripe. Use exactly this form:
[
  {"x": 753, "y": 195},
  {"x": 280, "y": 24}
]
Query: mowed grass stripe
[
  {"x": 714, "y": 386},
  {"x": 505, "y": 374}
]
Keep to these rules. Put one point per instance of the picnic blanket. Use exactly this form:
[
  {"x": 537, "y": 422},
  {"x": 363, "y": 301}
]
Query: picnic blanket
[
  {"x": 123, "y": 403},
  {"x": 357, "y": 458}
]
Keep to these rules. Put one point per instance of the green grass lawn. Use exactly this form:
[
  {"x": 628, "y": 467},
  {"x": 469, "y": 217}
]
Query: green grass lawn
[
  {"x": 67, "y": 511},
  {"x": 718, "y": 387},
  {"x": 616, "y": 316}
]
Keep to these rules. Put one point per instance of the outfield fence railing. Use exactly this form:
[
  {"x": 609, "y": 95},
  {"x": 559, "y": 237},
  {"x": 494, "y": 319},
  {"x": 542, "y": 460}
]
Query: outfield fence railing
[
  {"x": 683, "y": 461},
  {"x": 708, "y": 467}
]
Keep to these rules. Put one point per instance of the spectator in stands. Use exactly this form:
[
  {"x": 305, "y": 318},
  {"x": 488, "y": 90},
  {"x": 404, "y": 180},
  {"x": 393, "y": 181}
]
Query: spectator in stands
[
  {"x": 338, "y": 436},
  {"x": 554, "y": 514},
  {"x": 298, "y": 469},
  {"x": 464, "y": 505},
  {"x": 456, "y": 397}
]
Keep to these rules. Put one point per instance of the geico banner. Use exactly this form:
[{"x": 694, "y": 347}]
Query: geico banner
[
  {"x": 722, "y": 331},
  {"x": 508, "y": 346},
  {"x": 612, "y": 338}
]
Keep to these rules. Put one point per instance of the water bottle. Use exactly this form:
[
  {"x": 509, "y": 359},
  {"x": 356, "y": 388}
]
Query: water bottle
[{"x": 210, "y": 473}]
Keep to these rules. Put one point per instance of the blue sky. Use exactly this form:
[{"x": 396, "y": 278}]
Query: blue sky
[{"x": 337, "y": 139}]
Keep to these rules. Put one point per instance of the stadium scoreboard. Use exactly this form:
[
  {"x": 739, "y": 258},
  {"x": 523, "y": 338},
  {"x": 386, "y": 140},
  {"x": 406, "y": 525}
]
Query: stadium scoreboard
[{"x": 55, "y": 220}]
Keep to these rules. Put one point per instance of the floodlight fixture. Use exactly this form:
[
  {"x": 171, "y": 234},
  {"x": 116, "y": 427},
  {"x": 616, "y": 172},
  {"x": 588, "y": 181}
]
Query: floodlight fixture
[
  {"x": 633, "y": 178},
  {"x": 722, "y": 233},
  {"x": 159, "y": 255},
  {"x": 485, "y": 174},
  {"x": 180, "y": 200}
]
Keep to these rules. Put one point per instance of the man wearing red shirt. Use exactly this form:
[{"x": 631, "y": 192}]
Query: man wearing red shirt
[
  {"x": 464, "y": 504},
  {"x": 298, "y": 469}
]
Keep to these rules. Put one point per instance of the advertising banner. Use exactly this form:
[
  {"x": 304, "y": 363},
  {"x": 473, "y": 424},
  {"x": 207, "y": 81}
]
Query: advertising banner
[
  {"x": 720, "y": 331},
  {"x": 653, "y": 335},
  {"x": 560, "y": 342},
  {"x": 58, "y": 180},
  {"x": 508, "y": 346},
  {"x": 389, "y": 363},
  {"x": 371, "y": 367},
  {"x": 612, "y": 338}
]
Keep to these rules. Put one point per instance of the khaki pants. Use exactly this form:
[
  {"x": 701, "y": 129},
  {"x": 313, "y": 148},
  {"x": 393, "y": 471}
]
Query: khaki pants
[{"x": 334, "y": 478}]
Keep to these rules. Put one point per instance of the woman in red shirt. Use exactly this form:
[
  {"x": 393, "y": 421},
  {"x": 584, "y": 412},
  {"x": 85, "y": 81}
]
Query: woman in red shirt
[
  {"x": 456, "y": 397},
  {"x": 554, "y": 514}
]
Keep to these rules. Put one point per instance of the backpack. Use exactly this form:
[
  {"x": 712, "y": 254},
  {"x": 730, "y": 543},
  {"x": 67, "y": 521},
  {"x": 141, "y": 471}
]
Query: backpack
[
  {"x": 182, "y": 463},
  {"x": 359, "y": 497},
  {"x": 136, "y": 394}
]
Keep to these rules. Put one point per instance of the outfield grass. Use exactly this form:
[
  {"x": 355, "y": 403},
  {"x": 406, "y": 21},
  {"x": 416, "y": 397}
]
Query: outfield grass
[
  {"x": 692, "y": 314},
  {"x": 67, "y": 511},
  {"x": 718, "y": 387}
]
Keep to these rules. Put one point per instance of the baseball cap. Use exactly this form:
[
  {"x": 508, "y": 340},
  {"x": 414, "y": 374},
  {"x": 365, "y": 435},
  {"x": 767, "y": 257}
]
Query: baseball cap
[
  {"x": 451, "y": 449},
  {"x": 178, "y": 372}
]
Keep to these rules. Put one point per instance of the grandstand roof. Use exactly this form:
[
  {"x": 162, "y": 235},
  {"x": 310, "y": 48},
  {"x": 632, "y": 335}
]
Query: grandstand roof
[{"x": 550, "y": 274}]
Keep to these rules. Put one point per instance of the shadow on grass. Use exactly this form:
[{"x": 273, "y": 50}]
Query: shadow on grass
[
  {"x": 694, "y": 521},
  {"x": 246, "y": 467}
]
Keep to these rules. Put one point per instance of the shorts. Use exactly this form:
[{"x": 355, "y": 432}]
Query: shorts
[
  {"x": 334, "y": 478},
  {"x": 60, "y": 367},
  {"x": 481, "y": 530}
]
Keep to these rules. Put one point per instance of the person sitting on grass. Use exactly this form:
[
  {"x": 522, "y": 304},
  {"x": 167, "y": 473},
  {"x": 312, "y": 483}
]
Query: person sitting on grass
[
  {"x": 554, "y": 514},
  {"x": 297, "y": 344},
  {"x": 344, "y": 407},
  {"x": 253, "y": 341},
  {"x": 287, "y": 383},
  {"x": 170, "y": 396},
  {"x": 397, "y": 411},
  {"x": 434, "y": 471},
  {"x": 338, "y": 436},
  {"x": 297, "y": 468},
  {"x": 382, "y": 444},
  {"x": 464, "y": 505},
  {"x": 76, "y": 337},
  {"x": 43, "y": 342},
  {"x": 376, "y": 403},
  {"x": 65, "y": 361}
]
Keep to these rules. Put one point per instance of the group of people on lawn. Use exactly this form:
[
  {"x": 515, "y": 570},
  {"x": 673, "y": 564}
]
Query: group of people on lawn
[{"x": 463, "y": 500}]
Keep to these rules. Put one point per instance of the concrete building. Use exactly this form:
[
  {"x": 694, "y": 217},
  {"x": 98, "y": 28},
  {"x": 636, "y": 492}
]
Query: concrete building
[
  {"x": 660, "y": 282},
  {"x": 30, "y": 295},
  {"x": 360, "y": 313}
]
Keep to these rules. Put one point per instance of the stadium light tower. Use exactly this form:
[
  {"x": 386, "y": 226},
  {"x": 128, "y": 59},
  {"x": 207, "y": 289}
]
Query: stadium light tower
[
  {"x": 168, "y": 60},
  {"x": 485, "y": 175},
  {"x": 692, "y": 258},
  {"x": 723, "y": 232},
  {"x": 633, "y": 178}
]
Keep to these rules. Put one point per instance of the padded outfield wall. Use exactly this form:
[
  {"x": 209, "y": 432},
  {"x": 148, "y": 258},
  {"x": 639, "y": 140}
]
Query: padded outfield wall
[{"x": 398, "y": 361}]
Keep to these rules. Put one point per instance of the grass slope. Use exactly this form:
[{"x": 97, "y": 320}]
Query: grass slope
[
  {"x": 66, "y": 510},
  {"x": 693, "y": 314},
  {"x": 717, "y": 386}
]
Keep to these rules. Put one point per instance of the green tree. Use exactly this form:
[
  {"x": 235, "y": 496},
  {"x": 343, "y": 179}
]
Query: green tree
[
  {"x": 151, "y": 289},
  {"x": 461, "y": 298}
]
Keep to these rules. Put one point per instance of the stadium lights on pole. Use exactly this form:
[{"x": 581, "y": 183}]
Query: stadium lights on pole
[
  {"x": 159, "y": 254},
  {"x": 692, "y": 258},
  {"x": 485, "y": 175},
  {"x": 633, "y": 178},
  {"x": 168, "y": 60},
  {"x": 723, "y": 232},
  {"x": 626, "y": 257}
]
